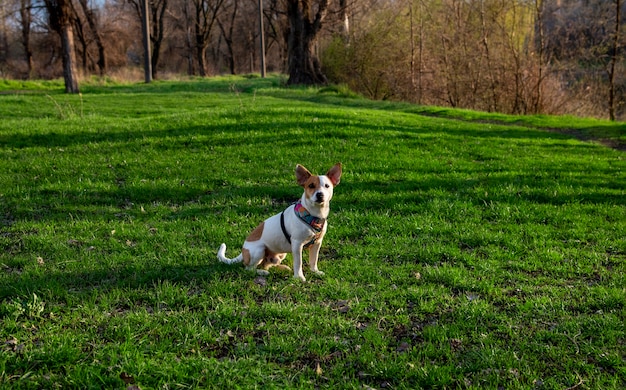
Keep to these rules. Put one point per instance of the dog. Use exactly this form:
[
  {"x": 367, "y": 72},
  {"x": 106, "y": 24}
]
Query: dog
[{"x": 300, "y": 226}]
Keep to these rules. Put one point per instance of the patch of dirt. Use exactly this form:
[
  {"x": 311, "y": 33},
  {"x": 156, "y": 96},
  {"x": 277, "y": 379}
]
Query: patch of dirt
[{"x": 579, "y": 135}]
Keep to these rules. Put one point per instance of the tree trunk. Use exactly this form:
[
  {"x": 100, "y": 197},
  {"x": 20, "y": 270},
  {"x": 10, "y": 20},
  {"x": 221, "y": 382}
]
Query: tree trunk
[
  {"x": 89, "y": 15},
  {"x": 79, "y": 33},
  {"x": 25, "y": 20},
  {"x": 304, "y": 66},
  {"x": 158, "y": 31},
  {"x": 205, "y": 14},
  {"x": 344, "y": 28},
  {"x": 228, "y": 37},
  {"x": 201, "y": 57},
  {"x": 614, "y": 55},
  {"x": 541, "y": 46},
  {"x": 69, "y": 60},
  {"x": 60, "y": 13}
]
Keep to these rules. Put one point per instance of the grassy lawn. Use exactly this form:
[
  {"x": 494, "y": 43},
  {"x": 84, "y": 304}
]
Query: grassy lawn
[{"x": 465, "y": 250}]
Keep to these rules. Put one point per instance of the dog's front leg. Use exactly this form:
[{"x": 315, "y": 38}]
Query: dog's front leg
[
  {"x": 313, "y": 255},
  {"x": 296, "y": 250}
]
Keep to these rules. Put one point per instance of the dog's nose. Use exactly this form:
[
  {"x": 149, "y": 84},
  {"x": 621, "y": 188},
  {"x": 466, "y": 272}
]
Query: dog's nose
[{"x": 319, "y": 197}]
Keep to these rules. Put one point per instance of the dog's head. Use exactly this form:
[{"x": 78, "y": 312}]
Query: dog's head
[{"x": 318, "y": 189}]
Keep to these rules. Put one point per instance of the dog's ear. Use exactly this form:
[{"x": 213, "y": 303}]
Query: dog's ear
[
  {"x": 302, "y": 175},
  {"x": 334, "y": 174}
]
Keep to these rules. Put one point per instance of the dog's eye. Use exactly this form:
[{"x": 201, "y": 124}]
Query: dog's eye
[
  {"x": 311, "y": 186},
  {"x": 327, "y": 186}
]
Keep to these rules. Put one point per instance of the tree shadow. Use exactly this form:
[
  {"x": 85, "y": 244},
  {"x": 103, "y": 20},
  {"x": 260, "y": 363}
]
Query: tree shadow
[{"x": 612, "y": 135}]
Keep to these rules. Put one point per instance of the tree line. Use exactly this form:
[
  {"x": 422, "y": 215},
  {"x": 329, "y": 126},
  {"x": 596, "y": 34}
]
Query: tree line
[{"x": 512, "y": 56}]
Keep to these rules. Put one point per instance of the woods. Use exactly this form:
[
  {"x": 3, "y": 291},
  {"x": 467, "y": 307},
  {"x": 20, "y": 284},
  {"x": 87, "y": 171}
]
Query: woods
[{"x": 539, "y": 56}]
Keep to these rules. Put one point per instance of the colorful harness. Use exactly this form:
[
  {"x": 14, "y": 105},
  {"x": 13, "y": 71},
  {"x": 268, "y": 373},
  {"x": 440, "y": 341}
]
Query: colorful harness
[{"x": 315, "y": 223}]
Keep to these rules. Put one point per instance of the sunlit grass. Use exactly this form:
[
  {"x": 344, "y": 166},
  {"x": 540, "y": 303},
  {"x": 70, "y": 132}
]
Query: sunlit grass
[{"x": 465, "y": 250}]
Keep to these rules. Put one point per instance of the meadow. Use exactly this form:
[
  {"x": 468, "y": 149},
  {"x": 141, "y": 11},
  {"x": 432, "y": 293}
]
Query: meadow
[{"x": 465, "y": 250}]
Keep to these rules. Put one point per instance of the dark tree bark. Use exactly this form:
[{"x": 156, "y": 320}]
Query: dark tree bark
[
  {"x": 304, "y": 66},
  {"x": 25, "y": 21},
  {"x": 227, "y": 34},
  {"x": 156, "y": 11},
  {"x": 79, "y": 33},
  {"x": 158, "y": 15},
  {"x": 614, "y": 55},
  {"x": 60, "y": 14},
  {"x": 93, "y": 26},
  {"x": 205, "y": 14}
]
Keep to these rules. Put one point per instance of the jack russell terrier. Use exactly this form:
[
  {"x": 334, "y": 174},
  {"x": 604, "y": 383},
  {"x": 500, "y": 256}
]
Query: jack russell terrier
[{"x": 300, "y": 226}]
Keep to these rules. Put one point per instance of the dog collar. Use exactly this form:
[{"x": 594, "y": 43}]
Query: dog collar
[{"x": 315, "y": 223}]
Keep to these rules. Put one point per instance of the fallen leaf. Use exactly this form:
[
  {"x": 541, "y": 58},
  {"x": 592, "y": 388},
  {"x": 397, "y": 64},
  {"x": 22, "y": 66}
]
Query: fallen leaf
[
  {"x": 318, "y": 369},
  {"x": 342, "y": 306},
  {"x": 11, "y": 344},
  {"x": 40, "y": 260},
  {"x": 403, "y": 347},
  {"x": 456, "y": 344},
  {"x": 74, "y": 242},
  {"x": 128, "y": 379}
]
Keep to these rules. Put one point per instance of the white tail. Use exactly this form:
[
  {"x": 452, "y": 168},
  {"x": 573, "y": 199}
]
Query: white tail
[{"x": 221, "y": 256}]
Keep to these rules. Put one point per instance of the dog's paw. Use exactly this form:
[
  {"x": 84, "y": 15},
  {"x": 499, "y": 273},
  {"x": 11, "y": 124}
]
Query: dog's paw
[
  {"x": 262, "y": 272},
  {"x": 300, "y": 277},
  {"x": 318, "y": 272}
]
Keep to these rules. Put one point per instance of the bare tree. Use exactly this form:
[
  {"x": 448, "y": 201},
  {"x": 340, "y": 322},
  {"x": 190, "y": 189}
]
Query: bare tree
[
  {"x": 90, "y": 16},
  {"x": 81, "y": 35},
  {"x": 60, "y": 15},
  {"x": 205, "y": 15},
  {"x": 25, "y": 23},
  {"x": 304, "y": 27},
  {"x": 157, "y": 14},
  {"x": 227, "y": 31},
  {"x": 184, "y": 25},
  {"x": 614, "y": 57},
  {"x": 4, "y": 39},
  {"x": 540, "y": 43}
]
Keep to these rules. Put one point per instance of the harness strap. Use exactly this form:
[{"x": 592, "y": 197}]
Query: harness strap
[{"x": 282, "y": 226}]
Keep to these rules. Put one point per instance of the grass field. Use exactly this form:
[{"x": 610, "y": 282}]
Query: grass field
[{"x": 465, "y": 250}]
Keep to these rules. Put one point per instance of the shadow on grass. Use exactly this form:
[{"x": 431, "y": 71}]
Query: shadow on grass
[
  {"x": 610, "y": 134},
  {"x": 502, "y": 190},
  {"x": 273, "y": 133},
  {"x": 115, "y": 278}
]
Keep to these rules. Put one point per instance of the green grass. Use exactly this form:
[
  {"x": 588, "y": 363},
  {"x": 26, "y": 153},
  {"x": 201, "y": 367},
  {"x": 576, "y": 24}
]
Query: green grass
[{"x": 465, "y": 250}]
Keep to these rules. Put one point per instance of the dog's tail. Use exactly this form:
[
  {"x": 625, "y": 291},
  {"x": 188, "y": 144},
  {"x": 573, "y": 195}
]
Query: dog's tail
[{"x": 221, "y": 256}]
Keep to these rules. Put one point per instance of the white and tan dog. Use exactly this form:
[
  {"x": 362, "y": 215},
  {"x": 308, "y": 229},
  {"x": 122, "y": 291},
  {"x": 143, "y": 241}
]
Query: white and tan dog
[{"x": 300, "y": 226}]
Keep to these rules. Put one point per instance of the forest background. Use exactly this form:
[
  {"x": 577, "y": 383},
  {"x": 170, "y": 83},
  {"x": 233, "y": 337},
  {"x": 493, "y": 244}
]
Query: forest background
[{"x": 510, "y": 56}]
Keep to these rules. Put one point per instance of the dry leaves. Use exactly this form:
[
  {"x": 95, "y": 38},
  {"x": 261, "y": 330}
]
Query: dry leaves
[
  {"x": 128, "y": 379},
  {"x": 341, "y": 306}
]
